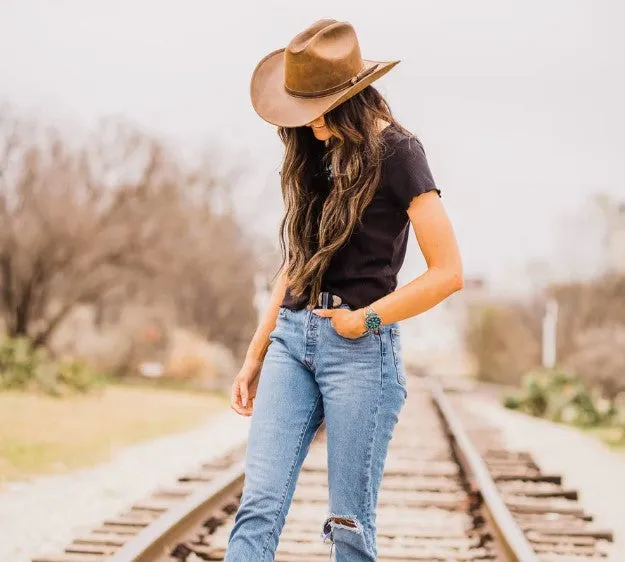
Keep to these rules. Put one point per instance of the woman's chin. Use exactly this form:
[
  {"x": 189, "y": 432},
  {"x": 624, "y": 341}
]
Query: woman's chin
[{"x": 322, "y": 135}]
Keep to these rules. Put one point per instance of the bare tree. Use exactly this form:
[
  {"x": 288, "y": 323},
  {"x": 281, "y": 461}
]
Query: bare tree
[
  {"x": 599, "y": 358},
  {"x": 587, "y": 305},
  {"x": 504, "y": 339},
  {"x": 117, "y": 219}
]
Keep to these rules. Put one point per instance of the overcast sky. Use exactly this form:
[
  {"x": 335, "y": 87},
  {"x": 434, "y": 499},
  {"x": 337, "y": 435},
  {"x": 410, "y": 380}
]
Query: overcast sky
[{"x": 519, "y": 104}]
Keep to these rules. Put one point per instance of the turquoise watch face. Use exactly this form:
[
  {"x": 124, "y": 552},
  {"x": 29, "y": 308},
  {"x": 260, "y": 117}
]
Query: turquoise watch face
[{"x": 372, "y": 320}]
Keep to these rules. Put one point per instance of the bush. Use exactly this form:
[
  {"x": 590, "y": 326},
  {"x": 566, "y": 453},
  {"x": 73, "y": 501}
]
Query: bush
[
  {"x": 598, "y": 356},
  {"x": 25, "y": 367},
  {"x": 504, "y": 339},
  {"x": 562, "y": 397}
]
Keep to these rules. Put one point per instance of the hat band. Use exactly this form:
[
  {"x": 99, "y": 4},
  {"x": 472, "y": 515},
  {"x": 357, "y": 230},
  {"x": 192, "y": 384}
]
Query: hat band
[{"x": 320, "y": 93}]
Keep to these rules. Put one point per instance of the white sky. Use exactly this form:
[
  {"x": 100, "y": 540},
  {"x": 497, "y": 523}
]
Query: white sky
[{"x": 519, "y": 104}]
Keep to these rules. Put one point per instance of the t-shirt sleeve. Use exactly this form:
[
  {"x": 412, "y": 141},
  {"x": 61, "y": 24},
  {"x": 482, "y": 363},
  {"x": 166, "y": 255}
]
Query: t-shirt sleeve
[{"x": 409, "y": 174}]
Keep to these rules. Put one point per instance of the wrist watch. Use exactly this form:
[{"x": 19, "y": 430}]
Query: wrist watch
[{"x": 372, "y": 320}]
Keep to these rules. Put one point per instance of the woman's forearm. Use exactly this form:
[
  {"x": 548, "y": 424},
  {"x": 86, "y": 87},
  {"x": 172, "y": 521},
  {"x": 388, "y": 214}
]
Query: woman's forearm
[
  {"x": 420, "y": 294},
  {"x": 260, "y": 341}
]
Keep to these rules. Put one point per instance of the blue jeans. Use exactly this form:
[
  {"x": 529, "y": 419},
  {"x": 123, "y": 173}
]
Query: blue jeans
[{"x": 310, "y": 372}]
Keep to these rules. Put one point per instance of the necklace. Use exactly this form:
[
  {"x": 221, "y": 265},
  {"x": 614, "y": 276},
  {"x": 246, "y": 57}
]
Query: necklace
[{"x": 328, "y": 171}]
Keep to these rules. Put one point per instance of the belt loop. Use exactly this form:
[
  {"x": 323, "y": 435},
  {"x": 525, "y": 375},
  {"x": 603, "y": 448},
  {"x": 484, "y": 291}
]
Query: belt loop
[{"x": 325, "y": 300}]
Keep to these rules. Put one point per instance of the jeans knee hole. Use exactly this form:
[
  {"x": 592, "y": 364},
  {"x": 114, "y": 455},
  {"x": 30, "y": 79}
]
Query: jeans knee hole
[{"x": 346, "y": 529}]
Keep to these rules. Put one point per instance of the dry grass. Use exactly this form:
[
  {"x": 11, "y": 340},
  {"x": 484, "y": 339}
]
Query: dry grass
[
  {"x": 40, "y": 434},
  {"x": 613, "y": 437}
]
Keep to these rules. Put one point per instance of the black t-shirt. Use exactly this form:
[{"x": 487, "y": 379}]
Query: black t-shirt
[{"x": 365, "y": 268}]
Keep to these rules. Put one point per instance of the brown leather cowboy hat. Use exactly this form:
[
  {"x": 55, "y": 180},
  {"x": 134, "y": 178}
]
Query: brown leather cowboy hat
[{"x": 319, "y": 69}]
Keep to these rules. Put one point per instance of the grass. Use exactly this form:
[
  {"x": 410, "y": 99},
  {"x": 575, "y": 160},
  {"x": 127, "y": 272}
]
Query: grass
[
  {"x": 614, "y": 437},
  {"x": 40, "y": 434}
]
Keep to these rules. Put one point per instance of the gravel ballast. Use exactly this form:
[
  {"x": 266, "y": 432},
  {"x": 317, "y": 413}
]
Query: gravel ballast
[{"x": 584, "y": 462}]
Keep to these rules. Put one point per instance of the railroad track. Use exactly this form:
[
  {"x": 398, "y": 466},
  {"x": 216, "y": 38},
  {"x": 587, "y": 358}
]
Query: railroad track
[{"x": 450, "y": 493}]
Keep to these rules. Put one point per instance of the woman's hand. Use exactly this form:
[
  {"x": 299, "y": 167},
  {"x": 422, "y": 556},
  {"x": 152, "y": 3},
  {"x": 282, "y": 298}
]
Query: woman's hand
[
  {"x": 244, "y": 387},
  {"x": 347, "y": 323}
]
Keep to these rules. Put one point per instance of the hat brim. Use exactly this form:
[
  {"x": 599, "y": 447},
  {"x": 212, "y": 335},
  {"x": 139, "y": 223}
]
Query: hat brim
[{"x": 275, "y": 105}]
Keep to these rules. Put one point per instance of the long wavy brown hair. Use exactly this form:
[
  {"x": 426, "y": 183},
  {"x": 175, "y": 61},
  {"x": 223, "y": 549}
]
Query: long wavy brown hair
[{"x": 317, "y": 222}]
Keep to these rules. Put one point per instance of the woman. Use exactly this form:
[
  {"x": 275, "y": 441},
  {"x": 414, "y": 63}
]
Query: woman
[{"x": 328, "y": 346}]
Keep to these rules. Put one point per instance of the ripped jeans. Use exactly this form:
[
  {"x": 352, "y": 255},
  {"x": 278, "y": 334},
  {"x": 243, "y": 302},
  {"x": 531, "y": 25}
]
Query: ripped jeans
[{"x": 310, "y": 372}]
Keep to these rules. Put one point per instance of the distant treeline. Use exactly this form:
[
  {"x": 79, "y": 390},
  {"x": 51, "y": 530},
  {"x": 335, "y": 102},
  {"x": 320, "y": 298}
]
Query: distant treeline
[{"x": 505, "y": 338}]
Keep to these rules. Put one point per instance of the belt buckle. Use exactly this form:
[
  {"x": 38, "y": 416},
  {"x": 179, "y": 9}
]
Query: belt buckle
[{"x": 328, "y": 300}]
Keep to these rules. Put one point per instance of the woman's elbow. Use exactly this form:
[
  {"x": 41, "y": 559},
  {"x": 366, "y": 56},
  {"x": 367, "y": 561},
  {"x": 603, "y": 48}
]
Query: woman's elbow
[{"x": 454, "y": 280}]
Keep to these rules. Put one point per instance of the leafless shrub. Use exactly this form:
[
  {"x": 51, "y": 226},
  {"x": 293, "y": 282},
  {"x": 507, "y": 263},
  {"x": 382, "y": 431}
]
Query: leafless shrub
[
  {"x": 599, "y": 358},
  {"x": 504, "y": 339},
  {"x": 585, "y": 306}
]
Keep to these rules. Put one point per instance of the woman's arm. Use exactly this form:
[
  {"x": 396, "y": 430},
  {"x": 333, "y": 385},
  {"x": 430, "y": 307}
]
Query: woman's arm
[
  {"x": 260, "y": 341},
  {"x": 245, "y": 383},
  {"x": 444, "y": 274}
]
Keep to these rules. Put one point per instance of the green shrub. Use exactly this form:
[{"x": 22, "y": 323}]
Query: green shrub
[
  {"x": 77, "y": 375},
  {"x": 24, "y": 367},
  {"x": 536, "y": 400},
  {"x": 561, "y": 397},
  {"x": 512, "y": 402}
]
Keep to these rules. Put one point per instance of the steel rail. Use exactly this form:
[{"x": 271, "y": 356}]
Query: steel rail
[
  {"x": 512, "y": 539},
  {"x": 157, "y": 540}
]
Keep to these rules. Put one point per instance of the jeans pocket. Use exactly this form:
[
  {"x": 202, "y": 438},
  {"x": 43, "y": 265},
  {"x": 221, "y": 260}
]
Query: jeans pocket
[{"x": 397, "y": 360}]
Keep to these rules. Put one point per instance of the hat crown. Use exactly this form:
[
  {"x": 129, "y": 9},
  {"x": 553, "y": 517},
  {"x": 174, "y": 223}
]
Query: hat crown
[{"x": 322, "y": 57}]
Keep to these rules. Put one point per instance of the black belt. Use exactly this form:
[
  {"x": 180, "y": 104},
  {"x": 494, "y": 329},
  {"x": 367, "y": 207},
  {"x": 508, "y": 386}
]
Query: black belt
[{"x": 326, "y": 299}]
